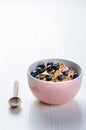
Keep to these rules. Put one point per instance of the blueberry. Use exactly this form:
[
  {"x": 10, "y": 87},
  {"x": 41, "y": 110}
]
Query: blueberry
[
  {"x": 75, "y": 75},
  {"x": 56, "y": 66},
  {"x": 65, "y": 72},
  {"x": 48, "y": 77},
  {"x": 49, "y": 68},
  {"x": 42, "y": 65},
  {"x": 39, "y": 70},
  {"x": 50, "y": 63},
  {"x": 60, "y": 77},
  {"x": 34, "y": 73},
  {"x": 37, "y": 77}
]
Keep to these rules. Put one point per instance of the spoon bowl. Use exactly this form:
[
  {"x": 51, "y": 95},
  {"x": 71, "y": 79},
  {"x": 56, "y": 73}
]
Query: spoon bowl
[{"x": 14, "y": 102}]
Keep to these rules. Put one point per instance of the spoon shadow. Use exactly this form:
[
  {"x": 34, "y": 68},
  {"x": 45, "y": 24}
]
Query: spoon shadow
[
  {"x": 46, "y": 117},
  {"x": 15, "y": 111}
]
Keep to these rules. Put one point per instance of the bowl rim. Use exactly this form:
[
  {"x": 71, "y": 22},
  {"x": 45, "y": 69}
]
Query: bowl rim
[{"x": 50, "y": 82}]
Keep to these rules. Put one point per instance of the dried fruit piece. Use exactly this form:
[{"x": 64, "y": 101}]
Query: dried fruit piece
[
  {"x": 65, "y": 72},
  {"x": 60, "y": 77},
  {"x": 75, "y": 75},
  {"x": 56, "y": 66},
  {"x": 48, "y": 77},
  {"x": 34, "y": 73},
  {"x": 49, "y": 68},
  {"x": 41, "y": 64},
  {"x": 39, "y": 70},
  {"x": 50, "y": 63}
]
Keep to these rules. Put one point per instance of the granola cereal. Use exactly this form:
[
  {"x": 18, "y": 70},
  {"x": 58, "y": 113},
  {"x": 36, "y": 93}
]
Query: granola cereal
[{"x": 55, "y": 72}]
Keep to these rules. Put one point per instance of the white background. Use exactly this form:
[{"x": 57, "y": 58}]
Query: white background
[{"x": 31, "y": 30}]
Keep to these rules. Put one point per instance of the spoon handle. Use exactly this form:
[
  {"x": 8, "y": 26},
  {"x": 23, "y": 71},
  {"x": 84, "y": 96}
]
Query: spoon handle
[{"x": 16, "y": 86}]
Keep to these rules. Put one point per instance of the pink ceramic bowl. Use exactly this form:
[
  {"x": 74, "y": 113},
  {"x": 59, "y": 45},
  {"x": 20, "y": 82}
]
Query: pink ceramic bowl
[{"x": 55, "y": 92}]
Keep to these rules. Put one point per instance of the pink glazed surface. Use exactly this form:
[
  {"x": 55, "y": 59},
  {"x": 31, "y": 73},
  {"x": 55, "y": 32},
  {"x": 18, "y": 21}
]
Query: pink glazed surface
[
  {"x": 53, "y": 93},
  {"x": 56, "y": 93}
]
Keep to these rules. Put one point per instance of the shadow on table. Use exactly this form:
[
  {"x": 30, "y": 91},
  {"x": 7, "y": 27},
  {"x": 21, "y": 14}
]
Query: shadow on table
[
  {"x": 46, "y": 117},
  {"x": 15, "y": 111}
]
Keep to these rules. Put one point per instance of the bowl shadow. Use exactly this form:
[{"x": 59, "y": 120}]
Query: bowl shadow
[{"x": 48, "y": 117}]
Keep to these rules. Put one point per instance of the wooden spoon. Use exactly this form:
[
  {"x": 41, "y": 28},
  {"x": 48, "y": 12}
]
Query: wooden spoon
[{"x": 15, "y": 101}]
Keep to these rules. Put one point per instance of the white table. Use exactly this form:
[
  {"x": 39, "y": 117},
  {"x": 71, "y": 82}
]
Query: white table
[{"x": 33, "y": 30}]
